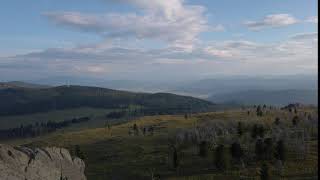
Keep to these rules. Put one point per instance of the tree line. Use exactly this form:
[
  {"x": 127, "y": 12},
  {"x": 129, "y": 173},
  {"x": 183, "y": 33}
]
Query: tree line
[{"x": 37, "y": 129}]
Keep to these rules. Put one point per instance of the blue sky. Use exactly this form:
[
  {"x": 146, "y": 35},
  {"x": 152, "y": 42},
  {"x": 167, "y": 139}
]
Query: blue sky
[{"x": 123, "y": 39}]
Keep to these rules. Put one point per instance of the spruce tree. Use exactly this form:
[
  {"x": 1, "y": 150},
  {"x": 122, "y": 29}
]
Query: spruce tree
[{"x": 220, "y": 159}]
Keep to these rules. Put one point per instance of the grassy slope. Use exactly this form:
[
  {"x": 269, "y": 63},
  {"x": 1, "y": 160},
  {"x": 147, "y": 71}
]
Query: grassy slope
[{"x": 113, "y": 153}]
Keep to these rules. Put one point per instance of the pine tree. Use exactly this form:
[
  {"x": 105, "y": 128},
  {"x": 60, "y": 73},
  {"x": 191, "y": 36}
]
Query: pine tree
[
  {"x": 264, "y": 172},
  {"x": 78, "y": 152},
  {"x": 203, "y": 149},
  {"x": 277, "y": 121},
  {"x": 280, "y": 151},
  {"x": 240, "y": 129},
  {"x": 236, "y": 151},
  {"x": 175, "y": 158},
  {"x": 259, "y": 111},
  {"x": 259, "y": 149},
  {"x": 220, "y": 159},
  {"x": 295, "y": 120}
]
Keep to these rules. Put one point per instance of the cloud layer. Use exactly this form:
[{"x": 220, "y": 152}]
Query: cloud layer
[
  {"x": 171, "y": 21},
  {"x": 297, "y": 54},
  {"x": 161, "y": 39},
  {"x": 271, "y": 21}
]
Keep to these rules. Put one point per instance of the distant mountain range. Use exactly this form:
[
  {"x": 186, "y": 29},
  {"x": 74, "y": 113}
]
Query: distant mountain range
[
  {"x": 20, "y": 84},
  {"x": 238, "y": 89},
  {"x": 127, "y": 85},
  {"x": 274, "y": 97},
  {"x": 210, "y": 87},
  {"x": 23, "y": 100}
]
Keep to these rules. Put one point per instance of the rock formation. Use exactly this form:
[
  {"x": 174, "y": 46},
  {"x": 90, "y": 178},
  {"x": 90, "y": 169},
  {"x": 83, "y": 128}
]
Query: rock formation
[{"x": 22, "y": 163}]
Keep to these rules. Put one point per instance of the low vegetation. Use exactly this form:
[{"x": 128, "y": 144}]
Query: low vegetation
[{"x": 259, "y": 142}]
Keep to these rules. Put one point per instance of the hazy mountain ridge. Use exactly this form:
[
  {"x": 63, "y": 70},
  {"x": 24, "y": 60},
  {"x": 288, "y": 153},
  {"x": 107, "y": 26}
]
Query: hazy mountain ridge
[
  {"x": 24, "y": 101},
  {"x": 274, "y": 97},
  {"x": 21, "y": 84},
  {"x": 220, "y": 89},
  {"x": 236, "y": 84}
]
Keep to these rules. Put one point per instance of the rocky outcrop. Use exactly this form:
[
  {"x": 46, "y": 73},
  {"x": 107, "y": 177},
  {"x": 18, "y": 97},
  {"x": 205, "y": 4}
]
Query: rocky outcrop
[{"x": 22, "y": 163}]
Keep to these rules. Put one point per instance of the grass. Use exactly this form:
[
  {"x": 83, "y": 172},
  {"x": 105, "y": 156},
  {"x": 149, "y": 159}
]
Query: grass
[{"x": 114, "y": 154}]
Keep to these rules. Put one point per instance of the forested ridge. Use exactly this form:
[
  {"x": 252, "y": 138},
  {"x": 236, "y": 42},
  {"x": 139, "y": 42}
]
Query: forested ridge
[{"x": 17, "y": 101}]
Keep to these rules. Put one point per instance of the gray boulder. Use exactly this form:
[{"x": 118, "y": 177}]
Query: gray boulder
[{"x": 21, "y": 163}]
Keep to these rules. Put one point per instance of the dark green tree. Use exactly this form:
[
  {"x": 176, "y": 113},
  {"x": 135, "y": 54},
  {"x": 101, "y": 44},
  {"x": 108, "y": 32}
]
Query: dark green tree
[
  {"x": 277, "y": 121},
  {"x": 254, "y": 131},
  {"x": 78, "y": 152},
  {"x": 257, "y": 131},
  {"x": 295, "y": 120},
  {"x": 280, "y": 153},
  {"x": 268, "y": 149},
  {"x": 240, "y": 129},
  {"x": 259, "y": 111},
  {"x": 236, "y": 151},
  {"x": 135, "y": 129},
  {"x": 264, "y": 172},
  {"x": 203, "y": 149},
  {"x": 261, "y": 131},
  {"x": 259, "y": 149},
  {"x": 175, "y": 158},
  {"x": 220, "y": 158}
]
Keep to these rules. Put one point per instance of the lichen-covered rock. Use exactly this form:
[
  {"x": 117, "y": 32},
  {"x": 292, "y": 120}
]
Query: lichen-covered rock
[{"x": 21, "y": 163}]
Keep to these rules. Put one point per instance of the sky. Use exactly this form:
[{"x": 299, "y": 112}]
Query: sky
[{"x": 157, "y": 39}]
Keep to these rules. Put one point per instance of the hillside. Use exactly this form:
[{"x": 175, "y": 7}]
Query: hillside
[
  {"x": 26, "y": 100},
  {"x": 125, "y": 152},
  {"x": 278, "y": 97},
  {"x": 20, "y": 84}
]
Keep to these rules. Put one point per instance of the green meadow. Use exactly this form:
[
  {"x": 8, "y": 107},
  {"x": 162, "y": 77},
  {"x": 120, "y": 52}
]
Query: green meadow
[{"x": 116, "y": 153}]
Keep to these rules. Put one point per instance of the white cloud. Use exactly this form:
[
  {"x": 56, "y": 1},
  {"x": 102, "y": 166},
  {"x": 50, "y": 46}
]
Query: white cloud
[
  {"x": 171, "y": 21},
  {"x": 313, "y": 19},
  {"x": 305, "y": 36},
  {"x": 271, "y": 21},
  {"x": 297, "y": 54},
  {"x": 218, "y": 52},
  {"x": 168, "y": 8}
]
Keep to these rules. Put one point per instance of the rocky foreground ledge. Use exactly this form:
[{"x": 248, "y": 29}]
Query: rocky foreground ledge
[{"x": 22, "y": 163}]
